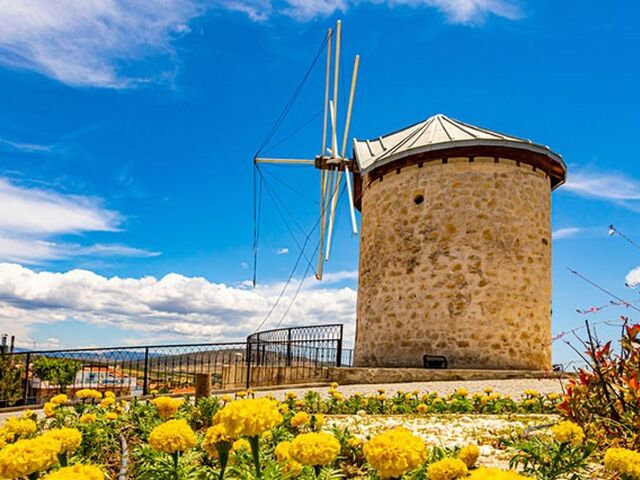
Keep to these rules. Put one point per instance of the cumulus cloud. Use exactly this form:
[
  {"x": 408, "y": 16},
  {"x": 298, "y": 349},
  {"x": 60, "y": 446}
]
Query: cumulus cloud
[
  {"x": 612, "y": 187},
  {"x": 31, "y": 218},
  {"x": 632, "y": 279},
  {"x": 456, "y": 11},
  {"x": 90, "y": 42},
  {"x": 175, "y": 307},
  {"x": 562, "y": 233},
  {"x": 282, "y": 251}
]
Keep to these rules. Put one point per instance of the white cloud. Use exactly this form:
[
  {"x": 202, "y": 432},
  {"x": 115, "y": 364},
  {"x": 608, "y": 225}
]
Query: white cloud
[
  {"x": 632, "y": 279},
  {"x": 24, "y": 147},
  {"x": 334, "y": 277},
  {"x": 604, "y": 186},
  {"x": 562, "y": 233},
  {"x": 99, "y": 43},
  {"x": 33, "y": 210},
  {"x": 282, "y": 251},
  {"x": 456, "y": 11},
  {"x": 31, "y": 218},
  {"x": 174, "y": 307},
  {"x": 90, "y": 42}
]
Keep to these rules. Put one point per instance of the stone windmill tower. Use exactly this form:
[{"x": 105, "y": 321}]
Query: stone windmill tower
[{"x": 455, "y": 248}]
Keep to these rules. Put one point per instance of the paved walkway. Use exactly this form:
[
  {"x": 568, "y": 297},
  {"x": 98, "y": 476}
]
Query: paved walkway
[{"x": 505, "y": 387}]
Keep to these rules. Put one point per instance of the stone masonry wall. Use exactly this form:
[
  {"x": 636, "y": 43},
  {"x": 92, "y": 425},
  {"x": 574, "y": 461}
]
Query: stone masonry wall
[{"x": 465, "y": 273}]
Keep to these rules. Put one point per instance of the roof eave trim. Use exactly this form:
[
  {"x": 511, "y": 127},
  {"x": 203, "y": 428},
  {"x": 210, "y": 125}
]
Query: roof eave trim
[{"x": 531, "y": 147}]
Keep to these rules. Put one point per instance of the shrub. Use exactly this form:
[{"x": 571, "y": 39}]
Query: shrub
[{"x": 605, "y": 398}]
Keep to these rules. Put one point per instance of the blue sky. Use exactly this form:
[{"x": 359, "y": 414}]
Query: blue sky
[{"x": 127, "y": 132}]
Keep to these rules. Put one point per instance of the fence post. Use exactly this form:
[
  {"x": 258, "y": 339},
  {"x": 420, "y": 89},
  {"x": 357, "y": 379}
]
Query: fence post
[
  {"x": 27, "y": 361},
  {"x": 289, "y": 348},
  {"x": 339, "y": 350},
  {"x": 145, "y": 381},
  {"x": 248, "y": 361}
]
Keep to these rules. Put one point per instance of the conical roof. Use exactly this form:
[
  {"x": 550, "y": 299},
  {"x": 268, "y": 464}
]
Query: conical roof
[{"x": 440, "y": 133}]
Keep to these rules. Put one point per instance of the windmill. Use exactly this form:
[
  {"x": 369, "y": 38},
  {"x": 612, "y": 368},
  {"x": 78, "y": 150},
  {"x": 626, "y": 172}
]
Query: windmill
[{"x": 332, "y": 162}]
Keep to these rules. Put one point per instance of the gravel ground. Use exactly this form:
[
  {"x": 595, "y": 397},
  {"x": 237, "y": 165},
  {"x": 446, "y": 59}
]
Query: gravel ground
[{"x": 505, "y": 387}]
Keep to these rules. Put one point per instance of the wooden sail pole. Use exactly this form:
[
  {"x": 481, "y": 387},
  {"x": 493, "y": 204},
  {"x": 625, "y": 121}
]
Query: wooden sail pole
[
  {"x": 354, "y": 80},
  {"x": 324, "y": 175}
]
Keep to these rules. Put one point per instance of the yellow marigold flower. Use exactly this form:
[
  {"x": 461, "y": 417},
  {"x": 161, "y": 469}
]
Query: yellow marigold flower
[
  {"x": 381, "y": 397},
  {"x": 290, "y": 396},
  {"x": 88, "y": 418},
  {"x": 462, "y": 392},
  {"x": 488, "y": 390},
  {"x": 354, "y": 442},
  {"x": 268, "y": 435},
  {"x": 495, "y": 474},
  {"x": 69, "y": 438},
  {"x": 447, "y": 469},
  {"x": 227, "y": 398},
  {"x": 111, "y": 416},
  {"x": 249, "y": 417},
  {"x": 395, "y": 452},
  {"x": 469, "y": 455},
  {"x": 281, "y": 451},
  {"x": 334, "y": 385},
  {"x": 317, "y": 421},
  {"x": 291, "y": 469},
  {"x": 241, "y": 394},
  {"x": 316, "y": 448},
  {"x": 107, "y": 402},
  {"x": 241, "y": 444},
  {"x": 284, "y": 408},
  {"x": 88, "y": 393},
  {"x": 26, "y": 457},
  {"x": 167, "y": 407},
  {"x": 568, "y": 432},
  {"x": 381, "y": 391},
  {"x": 364, "y": 402},
  {"x": 19, "y": 427},
  {"x": 530, "y": 392},
  {"x": 173, "y": 436},
  {"x": 338, "y": 396},
  {"x": 59, "y": 399},
  {"x": 49, "y": 409},
  {"x": 422, "y": 408},
  {"x": 300, "y": 419},
  {"x": 623, "y": 462},
  {"x": 214, "y": 436},
  {"x": 553, "y": 396},
  {"x": 109, "y": 394},
  {"x": 76, "y": 472},
  {"x": 299, "y": 403}
]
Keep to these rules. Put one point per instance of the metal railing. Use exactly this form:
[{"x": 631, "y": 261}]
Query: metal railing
[{"x": 289, "y": 355}]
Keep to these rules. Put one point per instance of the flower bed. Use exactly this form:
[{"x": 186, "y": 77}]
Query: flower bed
[{"x": 410, "y": 435}]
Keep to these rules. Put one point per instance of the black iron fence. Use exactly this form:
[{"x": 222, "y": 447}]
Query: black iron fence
[{"x": 290, "y": 355}]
